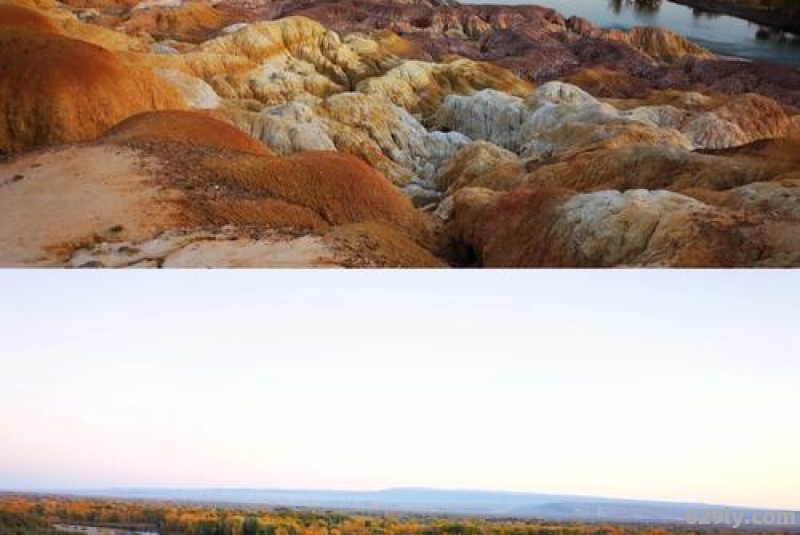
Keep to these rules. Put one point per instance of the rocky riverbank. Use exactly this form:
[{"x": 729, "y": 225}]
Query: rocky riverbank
[{"x": 785, "y": 19}]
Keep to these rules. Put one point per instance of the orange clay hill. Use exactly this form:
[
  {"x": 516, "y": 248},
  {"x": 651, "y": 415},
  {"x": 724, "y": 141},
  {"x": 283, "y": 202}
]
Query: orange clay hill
[
  {"x": 13, "y": 16},
  {"x": 186, "y": 127},
  {"x": 56, "y": 89}
]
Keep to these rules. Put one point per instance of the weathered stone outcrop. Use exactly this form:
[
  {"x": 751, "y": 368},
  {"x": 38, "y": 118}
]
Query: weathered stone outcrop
[
  {"x": 369, "y": 126},
  {"x": 559, "y": 119},
  {"x": 557, "y": 228},
  {"x": 481, "y": 164},
  {"x": 420, "y": 87},
  {"x": 488, "y": 115},
  {"x": 658, "y": 43}
]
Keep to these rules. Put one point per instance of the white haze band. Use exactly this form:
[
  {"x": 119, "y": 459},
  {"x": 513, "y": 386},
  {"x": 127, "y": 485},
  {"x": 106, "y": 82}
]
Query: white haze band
[{"x": 737, "y": 518}]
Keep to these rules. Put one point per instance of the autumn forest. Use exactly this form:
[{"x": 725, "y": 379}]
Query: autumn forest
[{"x": 22, "y": 514}]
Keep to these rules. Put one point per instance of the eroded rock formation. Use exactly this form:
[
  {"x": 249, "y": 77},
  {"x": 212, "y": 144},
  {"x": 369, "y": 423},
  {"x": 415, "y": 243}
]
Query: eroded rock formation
[{"x": 384, "y": 133}]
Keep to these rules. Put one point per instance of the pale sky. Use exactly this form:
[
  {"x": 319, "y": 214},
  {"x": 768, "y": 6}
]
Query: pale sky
[{"x": 658, "y": 385}]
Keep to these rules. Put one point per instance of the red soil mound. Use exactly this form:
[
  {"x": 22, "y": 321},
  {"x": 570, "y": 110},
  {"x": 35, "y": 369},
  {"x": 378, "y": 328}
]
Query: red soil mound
[
  {"x": 505, "y": 230},
  {"x": 190, "y": 127},
  {"x": 15, "y": 16},
  {"x": 337, "y": 188},
  {"x": 226, "y": 180},
  {"x": 56, "y": 89}
]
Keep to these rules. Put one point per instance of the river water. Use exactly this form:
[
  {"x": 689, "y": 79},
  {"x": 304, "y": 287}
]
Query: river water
[{"x": 722, "y": 34}]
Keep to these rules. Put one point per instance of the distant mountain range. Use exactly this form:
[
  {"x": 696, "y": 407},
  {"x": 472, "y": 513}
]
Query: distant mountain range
[{"x": 433, "y": 501}]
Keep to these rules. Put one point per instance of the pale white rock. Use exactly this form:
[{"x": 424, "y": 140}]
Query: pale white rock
[
  {"x": 421, "y": 195},
  {"x": 524, "y": 126},
  {"x": 369, "y": 126},
  {"x": 286, "y": 129},
  {"x": 233, "y": 28},
  {"x": 561, "y": 93},
  {"x": 198, "y": 94},
  {"x": 146, "y": 4},
  {"x": 225, "y": 247},
  {"x": 294, "y": 128},
  {"x": 163, "y": 48},
  {"x": 87, "y": 14},
  {"x": 611, "y": 228},
  {"x": 445, "y": 209},
  {"x": 660, "y": 116},
  {"x": 393, "y": 130},
  {"x": 488, "y": 115},
  {"x": 549, "y": 115},
  {"x": 305, "y": 251},
  {"x": 559, "y": 118}
]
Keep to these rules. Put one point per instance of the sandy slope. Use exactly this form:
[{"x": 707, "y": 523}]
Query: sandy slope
[
  {"x": 206, "y": 249},
  {"x": 104, "y": 206},
  {"x": 98, "y": 205},
  {"x": 54, "y": 200}
]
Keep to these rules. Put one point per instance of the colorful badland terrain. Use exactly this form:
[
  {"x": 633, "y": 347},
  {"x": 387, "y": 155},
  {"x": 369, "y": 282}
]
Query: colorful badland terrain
[{"x": 410, "y": 133}]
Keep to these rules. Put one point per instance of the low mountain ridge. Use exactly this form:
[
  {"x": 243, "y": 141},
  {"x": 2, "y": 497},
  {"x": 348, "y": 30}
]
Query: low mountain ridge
[{"x": 433, "y": 501}]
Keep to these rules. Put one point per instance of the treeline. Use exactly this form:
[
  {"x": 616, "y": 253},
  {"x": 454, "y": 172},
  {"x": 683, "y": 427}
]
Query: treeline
[
  {"x": 22, "y": 524},
  {"x": 789, "y": 7},
  {"x": 172, "y": 518},
  {"x": 34, "y": 515},
  {"x": 784, "y": 4}
]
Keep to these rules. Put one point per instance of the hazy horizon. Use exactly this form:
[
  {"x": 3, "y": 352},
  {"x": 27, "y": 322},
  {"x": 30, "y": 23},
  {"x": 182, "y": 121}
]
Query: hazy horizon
[
  {"x": 638, "y": 385},
  {"x": 117, "y": 492}
]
